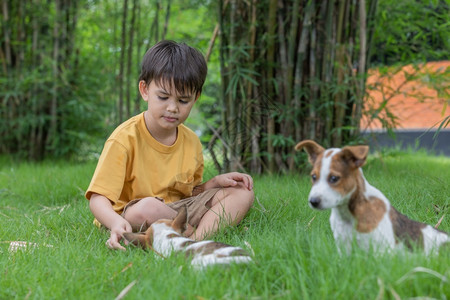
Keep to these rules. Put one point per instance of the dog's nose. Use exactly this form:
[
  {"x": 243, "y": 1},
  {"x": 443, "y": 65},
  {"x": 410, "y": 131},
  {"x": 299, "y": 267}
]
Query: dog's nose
[{"x": 315, "y": 202}]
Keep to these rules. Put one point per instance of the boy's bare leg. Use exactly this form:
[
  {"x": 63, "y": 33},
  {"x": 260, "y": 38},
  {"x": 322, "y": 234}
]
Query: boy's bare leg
[
  {"x": 146, "y": 211},
  {"x": 228, "y": 207}
]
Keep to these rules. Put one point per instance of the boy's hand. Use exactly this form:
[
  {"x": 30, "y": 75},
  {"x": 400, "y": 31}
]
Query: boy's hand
[
  {"x": 117, "y": 232},
  {"x": 102, "y": 210},
  {"x": 233, "y": 178}
]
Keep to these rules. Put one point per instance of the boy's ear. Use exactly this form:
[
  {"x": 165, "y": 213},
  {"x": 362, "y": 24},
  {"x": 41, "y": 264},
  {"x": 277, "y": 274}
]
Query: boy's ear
[
  {"x": 143, "y": 89},
  {"x": 180, "y": 221}
]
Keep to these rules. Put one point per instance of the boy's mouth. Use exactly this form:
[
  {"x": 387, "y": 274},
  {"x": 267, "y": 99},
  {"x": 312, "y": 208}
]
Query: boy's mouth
[{"x": 170, "y": 119}]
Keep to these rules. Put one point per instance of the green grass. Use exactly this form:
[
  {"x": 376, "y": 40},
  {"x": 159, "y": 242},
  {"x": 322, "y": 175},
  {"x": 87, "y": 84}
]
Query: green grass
[{"x": 295, "y": 256}]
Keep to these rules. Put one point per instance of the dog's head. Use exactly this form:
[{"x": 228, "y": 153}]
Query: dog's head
[
  {"x": 162, "y": 226},
  {"x": 335, "y": 173}
]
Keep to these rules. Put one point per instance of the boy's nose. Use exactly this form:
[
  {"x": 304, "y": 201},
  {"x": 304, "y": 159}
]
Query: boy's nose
[{"x": 172, "y": 106}]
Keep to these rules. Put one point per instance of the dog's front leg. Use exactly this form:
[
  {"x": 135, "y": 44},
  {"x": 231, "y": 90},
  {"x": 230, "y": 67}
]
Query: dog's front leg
[{"x": 342, "y": 232}]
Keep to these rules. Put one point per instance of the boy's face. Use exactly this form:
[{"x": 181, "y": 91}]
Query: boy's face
[{"x": 166, "y": 108}]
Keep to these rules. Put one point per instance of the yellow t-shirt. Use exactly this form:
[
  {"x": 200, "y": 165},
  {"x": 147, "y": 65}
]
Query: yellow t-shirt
[{"x": 134, "y": 165}]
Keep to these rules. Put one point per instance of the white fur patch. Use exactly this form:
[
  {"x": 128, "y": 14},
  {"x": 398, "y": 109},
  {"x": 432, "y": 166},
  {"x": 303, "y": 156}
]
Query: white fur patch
[
  {"x": 161, "y": 243},
  {"x": 164, "y": 242},
  {"x": 211, "y": 259},
  {"x": 433, "y": 239}
]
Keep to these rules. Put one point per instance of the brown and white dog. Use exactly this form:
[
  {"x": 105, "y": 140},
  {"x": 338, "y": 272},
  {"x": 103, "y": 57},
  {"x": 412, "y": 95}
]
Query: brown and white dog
[
  {"x": 359, "y": 210},
  {"x": 165, "y": 237}
]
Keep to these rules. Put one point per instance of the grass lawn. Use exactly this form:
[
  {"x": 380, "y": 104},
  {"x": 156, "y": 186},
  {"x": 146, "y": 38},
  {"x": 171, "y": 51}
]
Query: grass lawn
[{"x": 295, "y": 256}]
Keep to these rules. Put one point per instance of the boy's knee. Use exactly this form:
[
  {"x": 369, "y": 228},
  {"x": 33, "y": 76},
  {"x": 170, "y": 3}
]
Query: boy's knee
[
  {"x": 249, "y": 197},
  {"x": 149, "y": 209},
  {"x": 244, "y": 195}
]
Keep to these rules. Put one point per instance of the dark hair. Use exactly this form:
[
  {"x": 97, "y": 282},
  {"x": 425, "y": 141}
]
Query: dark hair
[{"x": 178, "y": 64}]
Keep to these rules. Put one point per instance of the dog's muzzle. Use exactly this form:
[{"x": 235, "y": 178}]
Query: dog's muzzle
[{"x": 314, "y": 202}]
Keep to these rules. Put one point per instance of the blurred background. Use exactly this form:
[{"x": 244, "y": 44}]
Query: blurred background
[{"x": 339, "y": 72}]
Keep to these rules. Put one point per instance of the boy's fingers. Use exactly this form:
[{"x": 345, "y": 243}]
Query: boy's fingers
[
  {"x": 232, "y": 182},
  {"x": 231, "y": 179},
  {"x": 127, "y": 229},
  {"x": 247, "y": 180},
  {"x": 113, "y": 243},
  {"x": 250, "y": 183}
]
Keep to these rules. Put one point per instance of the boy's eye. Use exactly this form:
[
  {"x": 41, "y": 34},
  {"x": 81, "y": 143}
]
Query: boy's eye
[
  {"x": 183, "y": 101},
  {"x": 162, "y": 98}
]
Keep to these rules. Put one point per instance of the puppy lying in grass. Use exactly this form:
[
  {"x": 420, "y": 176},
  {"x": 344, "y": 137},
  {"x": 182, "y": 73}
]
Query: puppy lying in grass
[
  {"x": 165, "y": 237},
  {"x": 359, "y": 210}
]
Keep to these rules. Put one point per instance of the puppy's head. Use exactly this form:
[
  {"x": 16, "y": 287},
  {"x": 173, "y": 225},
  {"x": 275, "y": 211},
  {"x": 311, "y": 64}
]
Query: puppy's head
[
  {"x": 145, "y": 240},
  {"x": 335, "y": 173}
]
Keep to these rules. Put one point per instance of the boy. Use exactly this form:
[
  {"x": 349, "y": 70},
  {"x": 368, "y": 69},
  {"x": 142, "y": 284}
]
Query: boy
[{"x": 152, "y": 164}]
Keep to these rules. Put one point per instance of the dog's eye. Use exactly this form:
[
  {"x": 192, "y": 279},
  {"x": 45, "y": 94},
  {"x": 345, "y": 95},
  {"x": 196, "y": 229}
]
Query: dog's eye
[
  {"x": 313, "y": 177},
  {"x": 333, "y": 179}
]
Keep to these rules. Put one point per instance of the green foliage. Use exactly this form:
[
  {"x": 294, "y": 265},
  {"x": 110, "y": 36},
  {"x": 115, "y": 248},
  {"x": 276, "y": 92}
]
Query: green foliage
[
  {"x": 86, "y": 85},
  {"x": 294, "y": 251},
  {"x": 410, "y": 32}
]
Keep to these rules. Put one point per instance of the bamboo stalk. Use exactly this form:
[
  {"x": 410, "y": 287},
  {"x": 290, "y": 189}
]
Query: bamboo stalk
[
  {"x": 327, "y": 68},
  {"x": 166, "y": 20},
  {"x": 51, "y": 137},
  {"x": 122, "y": 60},
  {"x": 231, "y": 105},
  {"x": 339, "y": 98},
  {"x": 362, "y": 58},
  {"x": 301, "y": 56},
  {"x": 271, "y": 29},
  {"x": 252, "y": 129},
  {"x": 139, "y": 44},
  {"x": 282, "y": 59},
  {"x": 224, "y": 77},
  {"x": 6, "y": 34},
  {"x": 129, "y": 58},
  {"x": 313, "y": 94},
  {"x": 212, "y": 41}
]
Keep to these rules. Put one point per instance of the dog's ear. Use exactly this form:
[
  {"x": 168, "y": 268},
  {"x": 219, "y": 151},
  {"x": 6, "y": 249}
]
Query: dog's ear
[
  {"x": 180, "y": 221},
  {"x": 355, "y": 156},
  {"x": 312, "y": 148},
  {"x": 138, "y": 239}
]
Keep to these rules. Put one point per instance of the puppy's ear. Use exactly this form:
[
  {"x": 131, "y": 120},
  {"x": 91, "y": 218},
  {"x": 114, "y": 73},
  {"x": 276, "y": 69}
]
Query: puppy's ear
[
  {"x": 355, "y": 156},
  {"x": 180, "y": 221},
  {"x": 312, "y": 148},
  {"x": 138, "y": 239}
]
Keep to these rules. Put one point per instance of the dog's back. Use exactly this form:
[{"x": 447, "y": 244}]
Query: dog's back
[{"x": 416, "y": 234}]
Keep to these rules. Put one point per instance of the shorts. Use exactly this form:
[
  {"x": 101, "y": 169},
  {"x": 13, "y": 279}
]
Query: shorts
[{"x": 197, "y": 205}]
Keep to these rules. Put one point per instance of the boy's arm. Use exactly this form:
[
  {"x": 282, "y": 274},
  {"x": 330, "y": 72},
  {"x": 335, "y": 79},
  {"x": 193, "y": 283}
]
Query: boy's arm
[
  {"x": 103, "y": 211},
  {"x": 225, "y": 180}
]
